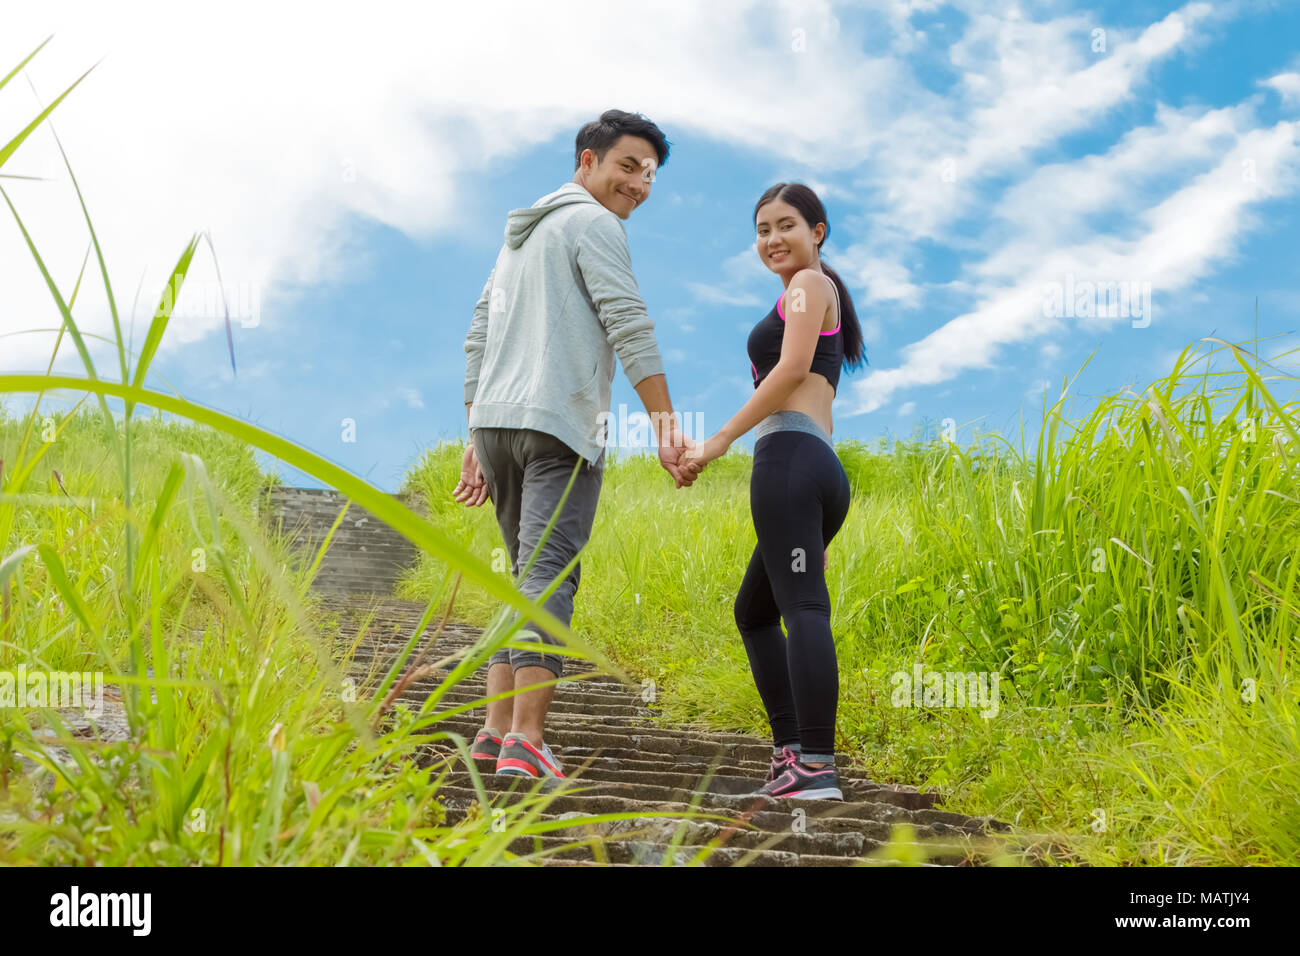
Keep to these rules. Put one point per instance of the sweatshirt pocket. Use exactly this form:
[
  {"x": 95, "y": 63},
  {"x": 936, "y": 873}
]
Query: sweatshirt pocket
[
  {"x": 589, "y": 387},
  {"x": 584, "y": 405}
]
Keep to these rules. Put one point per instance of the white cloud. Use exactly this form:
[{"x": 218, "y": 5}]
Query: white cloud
[
  {"x": 718, "y": 296},
  {"x": 1026, "y": 84},
  {"x": 1287, "y": 86},
  {"x": 1282, "y": 352},
  {"x": 740, "y": 273},
  {"x": 1071, "y": 198},
  {"x": 736, "y": 387},
  {"x": 1182, "y": 190},
  {"x": 906, "y": 409},
  {"x": 886, "y": 280}
]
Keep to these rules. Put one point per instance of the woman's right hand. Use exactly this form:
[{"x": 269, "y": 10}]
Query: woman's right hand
[{"x": 711, "y": 449}]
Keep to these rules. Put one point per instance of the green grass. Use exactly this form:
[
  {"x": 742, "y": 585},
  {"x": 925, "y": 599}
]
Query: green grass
[{"x": 1130, "y": 577}]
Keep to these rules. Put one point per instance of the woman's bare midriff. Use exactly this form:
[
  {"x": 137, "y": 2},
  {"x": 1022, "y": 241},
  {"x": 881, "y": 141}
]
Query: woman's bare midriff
[{"x": 813, "y": 397}]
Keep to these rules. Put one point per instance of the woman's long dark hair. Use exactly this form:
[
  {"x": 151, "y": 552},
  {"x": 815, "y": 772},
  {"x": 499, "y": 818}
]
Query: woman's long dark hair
[{"x": 813, "y": 212}]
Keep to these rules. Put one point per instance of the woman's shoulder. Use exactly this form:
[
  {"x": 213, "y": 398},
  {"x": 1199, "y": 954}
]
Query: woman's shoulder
[{"x": 809, "y": 279}]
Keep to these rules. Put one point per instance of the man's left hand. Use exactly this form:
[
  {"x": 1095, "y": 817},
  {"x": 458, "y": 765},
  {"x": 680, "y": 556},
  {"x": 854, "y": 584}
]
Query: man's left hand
[{"x": 472, "y": 490}]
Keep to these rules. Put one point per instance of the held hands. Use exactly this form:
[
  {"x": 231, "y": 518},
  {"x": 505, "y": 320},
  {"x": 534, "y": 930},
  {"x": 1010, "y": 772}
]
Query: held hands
[
  {"x": 472, "y": 490},
  {"x": 674, "y": 447},
  {"x": 711, "y": 449}
]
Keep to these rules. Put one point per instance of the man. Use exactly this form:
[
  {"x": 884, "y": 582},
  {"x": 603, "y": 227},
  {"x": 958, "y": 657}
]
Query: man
[{"x": 559, "y": 304}]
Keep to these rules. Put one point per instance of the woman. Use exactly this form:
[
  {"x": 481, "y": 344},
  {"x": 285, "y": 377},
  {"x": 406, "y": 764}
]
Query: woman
[{"x": 798, "y": 492}]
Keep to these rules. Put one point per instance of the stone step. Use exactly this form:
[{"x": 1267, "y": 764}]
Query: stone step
[
  {"x": 847, "y": 844},
  {"x": 597, "y": 768},
  {"x": 576, "y": 757},
  {"x": 650, "y": 853},
  {"x": 325, "y": 513},
  {"x": 634, "y": 739},
  {"x": 346, "y": 539},
  {"x": 696, "y": 832},
  {"x": 355, "y": 524},
  {"x": 776, "y": 820},
  {"x": 583, "y": 706},
  {"x": 377, "y": 574},
  {"x": 276, "y": 492},
  {"x": 373, "y": 573},
  {"x": 307, "y": 546},
  {"x": 861, "y": 801},
  {"x": 310, "y": 540}
]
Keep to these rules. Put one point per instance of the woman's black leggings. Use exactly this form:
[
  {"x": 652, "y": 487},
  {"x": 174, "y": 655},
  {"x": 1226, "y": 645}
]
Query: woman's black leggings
[{"x": 799, "y": 497}]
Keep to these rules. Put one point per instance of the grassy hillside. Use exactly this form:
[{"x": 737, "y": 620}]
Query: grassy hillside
[{"x": 1132, "y": 581}]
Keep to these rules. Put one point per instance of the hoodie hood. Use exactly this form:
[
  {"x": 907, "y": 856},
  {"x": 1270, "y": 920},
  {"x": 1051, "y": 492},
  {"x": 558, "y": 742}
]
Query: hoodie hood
[{"x": 521, "y": 222}]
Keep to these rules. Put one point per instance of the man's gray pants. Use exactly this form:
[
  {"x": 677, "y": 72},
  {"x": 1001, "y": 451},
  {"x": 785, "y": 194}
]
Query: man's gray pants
[{"x": 526, "y": 473}]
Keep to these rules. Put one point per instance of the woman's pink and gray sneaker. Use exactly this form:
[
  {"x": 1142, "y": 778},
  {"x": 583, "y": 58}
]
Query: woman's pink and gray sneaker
[
  {"x": 779, "y": 764},
  {"x": 805, "y": 783}
]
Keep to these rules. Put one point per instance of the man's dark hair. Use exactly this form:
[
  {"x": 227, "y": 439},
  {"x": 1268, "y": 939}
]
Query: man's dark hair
[{"x": 599, "y": 135}]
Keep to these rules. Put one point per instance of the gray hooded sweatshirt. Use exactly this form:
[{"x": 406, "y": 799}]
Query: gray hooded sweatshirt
[{"x": 560, "y": 302}]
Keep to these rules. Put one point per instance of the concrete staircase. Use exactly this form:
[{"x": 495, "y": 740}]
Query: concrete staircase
[
  {"x": 365, "y": 556},
  {"x": 615, "y": 751}
]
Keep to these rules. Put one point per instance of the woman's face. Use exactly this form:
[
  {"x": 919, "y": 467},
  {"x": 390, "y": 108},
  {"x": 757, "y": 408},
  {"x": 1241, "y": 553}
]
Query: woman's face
[{"x": 784, "y": 241}]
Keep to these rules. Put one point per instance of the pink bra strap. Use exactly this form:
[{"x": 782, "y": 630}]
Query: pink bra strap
[
  {"x": 837, "y": 306},
  {"x": 838, "y": 320}
]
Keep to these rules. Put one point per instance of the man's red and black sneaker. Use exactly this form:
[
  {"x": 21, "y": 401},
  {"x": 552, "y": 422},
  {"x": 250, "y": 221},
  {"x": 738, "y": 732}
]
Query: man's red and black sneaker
[
  {"x": 487, "y": 745},
  {"x": 521, "y": 758}
]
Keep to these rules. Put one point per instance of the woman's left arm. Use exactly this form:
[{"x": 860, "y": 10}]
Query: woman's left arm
[{"x": 807, "y": 299}]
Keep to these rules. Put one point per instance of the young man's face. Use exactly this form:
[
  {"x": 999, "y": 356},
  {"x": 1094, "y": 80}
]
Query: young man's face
[{"x": 621, "y": 182}]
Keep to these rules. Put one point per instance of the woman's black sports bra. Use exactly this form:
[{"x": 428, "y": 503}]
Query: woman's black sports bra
[{"x": 764, "y": 344}]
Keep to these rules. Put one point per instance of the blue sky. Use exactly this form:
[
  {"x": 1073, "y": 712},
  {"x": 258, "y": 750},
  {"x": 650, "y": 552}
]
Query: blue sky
[{"x": 971, "y": 156}]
